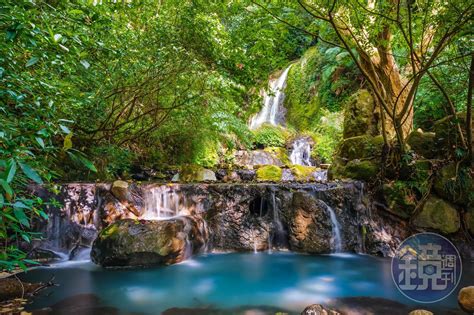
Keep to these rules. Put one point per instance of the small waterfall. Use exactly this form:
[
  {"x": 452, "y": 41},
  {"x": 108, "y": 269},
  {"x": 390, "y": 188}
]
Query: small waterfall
[
  {"x": 336, "y": 240},
  {"x": 277, "y": 236},
  {"x": 162, "y": 202},
  {"x": 271, "y": 102},
  {"x": 301, "y": 152}
]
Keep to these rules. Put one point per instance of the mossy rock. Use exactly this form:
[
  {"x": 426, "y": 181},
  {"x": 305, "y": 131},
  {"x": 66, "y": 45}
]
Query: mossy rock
[
  {"x": 400, "y": 198},
  {"x": 302, "y": 172},
  {"x": 455, "y": 184},
  {"x": 358, "y": 114},
  {"x": 195, "y": 173},
  {"x": 423, "y": 143},
  {"x": 360, "y": 147},
  {"x": 363, "y": 170},
  {"x": 269, "y": 173},
  {"x": 469, "y": 219},
  {"x": 438, "y": 214},
  {"x": 280, "y": 154},
  {"x": 127, "y": 243}
]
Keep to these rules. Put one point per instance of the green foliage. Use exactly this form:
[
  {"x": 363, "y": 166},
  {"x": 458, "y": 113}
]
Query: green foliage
[
  {"x": 327, "y": 136},
  {"x": 270, "y": 136}
]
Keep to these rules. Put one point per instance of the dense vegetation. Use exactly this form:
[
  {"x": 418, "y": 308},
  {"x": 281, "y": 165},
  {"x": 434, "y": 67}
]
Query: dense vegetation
[{"x": 93, "y": 91}]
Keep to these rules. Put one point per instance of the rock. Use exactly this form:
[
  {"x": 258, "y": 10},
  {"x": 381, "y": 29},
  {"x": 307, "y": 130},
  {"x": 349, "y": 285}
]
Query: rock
[
  {"x": 128, "y": 243},
  {"x": 423, "y": 143},
  {"x": 287, "y": 175},
  {"x": 359, "y": 114},
  {"x": 318, "y": 309},
  {"x": 363, "y": 170},
  {"x": 303, "y": 173},
  {"x": 309, "y": 227},
  {"x": 439, "y": 215},
  {"x": 454, "y": 186},
  {"x": 119, "y": 190},
  {"x": 280, "y": 154},
  {"x": 466, "y": 299},
  {"x": 469, "y": 219},
  {"x": 244, "y": 159},
  {"x": 11, "y": 288},
  {"x": 195, "y": 173},
  {"x": 420, "y": 312},
  {"x": 221, "y": 173},
  {"x": 360, "y": 147},
  {"x": 231, "y": 176},
  {"x": 399, "y": 198},
  {"x": 246, "y": 175},
  {"x": 270, "y": 173}
]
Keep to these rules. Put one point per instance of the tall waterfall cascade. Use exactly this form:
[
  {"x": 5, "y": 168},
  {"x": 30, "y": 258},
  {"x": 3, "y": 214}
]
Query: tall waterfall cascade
[
  {"x": 272, "y": 101},
  {"x": 301, "y": 152}
]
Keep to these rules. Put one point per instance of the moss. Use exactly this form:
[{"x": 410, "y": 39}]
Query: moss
[
  {"x": 302, "y": 173},
  {"x": 400, "y": 198},
  {"x": 109, "y": 231},
  {"x": 190, "y": 172},
  {"x": 358, "y": 114},
  {"x": 423, "y": 143},
  {"x": 455, "y": 184},
  {"x": 363, "y": 170},
  {"x": 279, "y": 153},
  {"x": 361, "y": 147},
  {"x": 439, "y": 215},
  {"x": 271, "y": 173}
]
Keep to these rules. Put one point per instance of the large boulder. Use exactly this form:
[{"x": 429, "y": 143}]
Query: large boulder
[
  {"x": 455, "y": 184},
  {"x": 466, "y": 299},
  {"x": 359, "y": 115},
  {"x": 360, "y": 147},
  {"x": 439, "y": 215},
  {"x": 423, "y": 143},
  {"x": 128, "y": 243},
  {"x": 309, "y": 227}
]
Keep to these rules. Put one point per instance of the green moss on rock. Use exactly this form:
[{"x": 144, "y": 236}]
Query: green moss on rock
[
  {"x": 455, "y": 184},
  {"x": 423, "y": 143},
  {"x": 302, "y": 172},
  {"x": 270, "y": 173},
  {"x": 280, "y": 154},
  {"x": 361, "y": 147},
  {"x": 400, "y": 198},
  {"x": 363, "y": 170},
  {"x": 358, "y": 114},
  {"x": 439, "y": 215}
]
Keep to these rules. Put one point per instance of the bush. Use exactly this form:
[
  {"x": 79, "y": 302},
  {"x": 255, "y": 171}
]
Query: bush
[{"x": 270, "y": 136}]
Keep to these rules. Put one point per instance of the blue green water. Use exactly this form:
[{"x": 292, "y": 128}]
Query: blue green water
[{"x": 285, "y": 281}]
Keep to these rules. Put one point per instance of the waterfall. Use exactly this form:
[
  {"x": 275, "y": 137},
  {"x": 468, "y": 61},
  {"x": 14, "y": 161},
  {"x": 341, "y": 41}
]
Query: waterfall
[
  {"x": 336, "y": 240},
  {"x": 162, "y": 202},
  {"x": 277, "y": 235},
  {"x": 271, "y": 102},
  {"x": 301, "y": 152}
]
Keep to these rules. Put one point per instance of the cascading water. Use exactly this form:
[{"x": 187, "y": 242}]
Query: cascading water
[
  {"x": 336, "y": 240},
  {"x": 277, "y": 236},
  {"x": 301, "y": 152},
  {"x": 162, "y": 202},
  {"x": 271, "y": 102}
]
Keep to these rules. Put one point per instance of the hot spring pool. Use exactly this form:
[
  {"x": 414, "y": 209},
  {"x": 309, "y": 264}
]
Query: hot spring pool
[{"x": 228, "y": 283}]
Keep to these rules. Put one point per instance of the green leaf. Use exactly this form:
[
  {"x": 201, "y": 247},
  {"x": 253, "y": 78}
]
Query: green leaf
[
  {"x": 65, "y": 129},
  {"x": 11, "y": 171},
  {"x": 32, "y": 61},
  {"x": 31, "y": 173},
  {"x": 6, "y": 187},
  {"x": 2, "y": 200},
  {"x": 40, "y": 141},
  {"x": 20, "y": 204},
  {"x": 21, "y": 216},
  {"x": 26, "y": 237}
]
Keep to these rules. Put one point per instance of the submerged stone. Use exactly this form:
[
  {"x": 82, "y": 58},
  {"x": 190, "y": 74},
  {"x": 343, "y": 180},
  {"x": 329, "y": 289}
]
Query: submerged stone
[
  {"x": 128, "y": 243},
  {"x": 439, "y": 215}
]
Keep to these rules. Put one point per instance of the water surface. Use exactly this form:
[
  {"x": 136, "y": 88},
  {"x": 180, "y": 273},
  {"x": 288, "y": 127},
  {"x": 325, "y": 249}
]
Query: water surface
[{"x": 282, "y": 281}]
